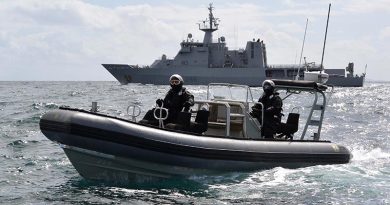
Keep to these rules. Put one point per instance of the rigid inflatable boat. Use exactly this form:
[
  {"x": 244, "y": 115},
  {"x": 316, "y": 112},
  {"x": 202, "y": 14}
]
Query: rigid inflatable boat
[{"x": 228, "y": 139}]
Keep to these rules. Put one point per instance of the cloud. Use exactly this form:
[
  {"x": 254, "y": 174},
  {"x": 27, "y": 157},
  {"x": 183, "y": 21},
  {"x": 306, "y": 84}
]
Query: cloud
[
  {"x": 69, "y": 39},
  {"x": 67, "y": 35},
  {"x": 385, "y": 33},
  {"x": 72, "y": 36},
  {"x": 367, "y": 6},
  {"x": 352, "y": 50}
]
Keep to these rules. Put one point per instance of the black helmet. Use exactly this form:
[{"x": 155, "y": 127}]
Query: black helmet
[
  {"x": 176, "y": 82},
  {"x": 268, "y": 87}
]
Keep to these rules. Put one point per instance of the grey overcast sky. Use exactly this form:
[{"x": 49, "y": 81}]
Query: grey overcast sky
[{"x": 70, "y": 39}]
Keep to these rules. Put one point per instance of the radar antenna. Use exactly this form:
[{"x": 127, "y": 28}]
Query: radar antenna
[{"x": 209, "y": 25}]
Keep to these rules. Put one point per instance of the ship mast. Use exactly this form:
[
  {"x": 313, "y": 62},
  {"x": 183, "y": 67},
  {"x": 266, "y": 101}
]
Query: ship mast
[
  {"x": 209, "y": 26},
  {"x": 323, "y": 49}
]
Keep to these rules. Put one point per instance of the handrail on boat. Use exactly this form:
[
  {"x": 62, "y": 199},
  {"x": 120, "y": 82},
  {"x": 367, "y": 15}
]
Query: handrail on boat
[{"x": 295, "y": 87}]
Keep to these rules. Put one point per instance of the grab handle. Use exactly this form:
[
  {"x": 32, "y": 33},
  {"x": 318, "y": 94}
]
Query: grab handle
[
  {"x": 160, "y": 118},
  {"x": 136, "y": 111}
]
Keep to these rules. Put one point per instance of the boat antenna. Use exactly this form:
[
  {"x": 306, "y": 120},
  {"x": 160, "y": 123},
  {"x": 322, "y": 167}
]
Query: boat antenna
[
  {"x": 303, "y": 45},
  {"x": 326, "y": 32},
  {"x": 295, "y": 61},
  {"x": 365, "y": 69},
  {"x": 235, "y": 37}
]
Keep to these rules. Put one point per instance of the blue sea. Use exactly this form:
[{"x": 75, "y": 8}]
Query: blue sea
[{"x": 35, "y": 170}]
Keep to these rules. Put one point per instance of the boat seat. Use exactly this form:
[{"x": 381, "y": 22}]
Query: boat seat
[
  {"x": 149, "y": 119},
  {"x": 290, "y": 127},
  {"x": 201, "y": 122},
  {"x": 182, "y": 122}
]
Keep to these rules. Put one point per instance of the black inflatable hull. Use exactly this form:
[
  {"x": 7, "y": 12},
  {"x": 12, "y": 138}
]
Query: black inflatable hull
[{"x": 103, "y": 147}]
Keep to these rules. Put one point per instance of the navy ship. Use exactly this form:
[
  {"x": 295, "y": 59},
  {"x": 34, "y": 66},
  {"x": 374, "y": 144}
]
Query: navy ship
[{"x": 201, "y": 63}]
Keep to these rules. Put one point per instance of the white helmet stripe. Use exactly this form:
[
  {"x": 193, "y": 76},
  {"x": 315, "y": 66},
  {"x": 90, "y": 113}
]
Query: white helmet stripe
[
  {"x": 176, "y": 76},
  {"x": 269, "y": 82}
]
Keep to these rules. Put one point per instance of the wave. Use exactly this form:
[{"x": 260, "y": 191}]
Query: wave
[
  {"x": 76, "y": 93},
  {"x": 32, "y": 119},
  {"x": 18, "y": 143},
  {"x": 50, "y": 105},
  {"x": 360, "y": 155}
]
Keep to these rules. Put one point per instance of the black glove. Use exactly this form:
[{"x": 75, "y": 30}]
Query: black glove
[
  {"x": 187, "y": 106},
  {"x": 255, "y": 112},
  {"x": 159, "y": 102}
]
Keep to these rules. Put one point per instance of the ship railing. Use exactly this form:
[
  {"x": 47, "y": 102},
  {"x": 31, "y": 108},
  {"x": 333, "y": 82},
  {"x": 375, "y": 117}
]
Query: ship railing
[
  {"x": 294, "y": 66},
  {"x": 139, "y": 66},
  {"x": 285, "y": 66}
]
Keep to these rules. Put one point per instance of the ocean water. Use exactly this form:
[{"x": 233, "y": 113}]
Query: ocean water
[{"x": 35, "y": 170}]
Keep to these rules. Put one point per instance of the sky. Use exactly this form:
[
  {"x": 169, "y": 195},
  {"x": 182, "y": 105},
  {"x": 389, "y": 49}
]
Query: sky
[{"x": 44, "y": 40}]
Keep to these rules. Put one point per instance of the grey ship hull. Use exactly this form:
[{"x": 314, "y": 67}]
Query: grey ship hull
[
  {"x": 192, "y": 76},
  {"x": 202, "y": 76},
  {"x": 342, "y": 81}
]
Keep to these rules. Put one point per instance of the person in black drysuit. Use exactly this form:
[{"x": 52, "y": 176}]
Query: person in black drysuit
[
  {"x": 272, "y": 110},
  {"x": 175, "y": 100}
]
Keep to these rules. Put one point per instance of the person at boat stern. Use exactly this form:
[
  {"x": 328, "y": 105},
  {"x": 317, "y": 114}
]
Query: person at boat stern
[
  {"x": 177, "y": 99},
  {"x": 272, "y": 110}
]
